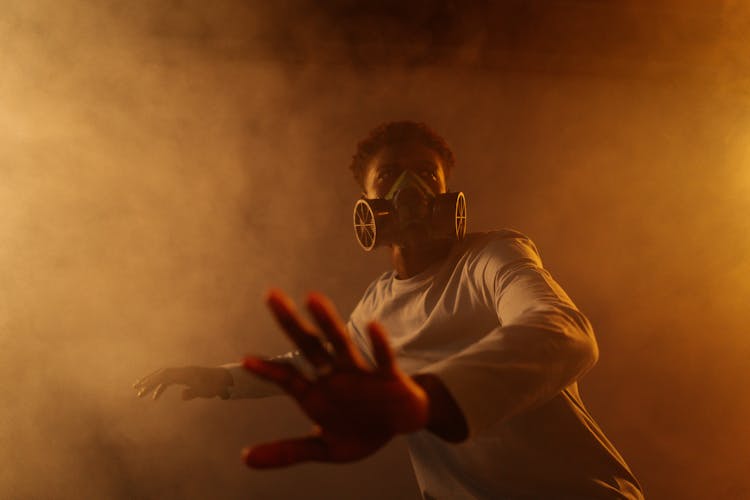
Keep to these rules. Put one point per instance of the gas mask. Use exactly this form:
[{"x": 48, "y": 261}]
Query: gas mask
[{"x": 409, "y": 208}]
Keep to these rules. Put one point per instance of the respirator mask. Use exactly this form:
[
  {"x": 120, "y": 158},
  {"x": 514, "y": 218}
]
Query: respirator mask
[{"x": 410, "y": 210}]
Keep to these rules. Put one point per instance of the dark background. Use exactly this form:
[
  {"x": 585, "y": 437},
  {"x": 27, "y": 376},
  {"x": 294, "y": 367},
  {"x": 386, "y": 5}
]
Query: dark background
[{"x": 163, "y": 163}]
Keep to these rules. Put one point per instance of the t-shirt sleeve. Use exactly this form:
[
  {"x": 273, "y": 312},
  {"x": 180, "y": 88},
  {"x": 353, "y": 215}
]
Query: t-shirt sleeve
[
  {"x": 543, "y": 344},
  {"x": 361, "y": 340},
  {"x": 361, "y": 315}
]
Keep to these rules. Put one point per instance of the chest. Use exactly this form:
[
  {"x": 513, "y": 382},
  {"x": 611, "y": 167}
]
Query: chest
[{"x": 435, "y": 320}]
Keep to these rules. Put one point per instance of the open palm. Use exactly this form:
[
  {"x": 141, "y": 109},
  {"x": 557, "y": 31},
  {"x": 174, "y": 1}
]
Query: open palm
[{"x": 357, "y": 409}]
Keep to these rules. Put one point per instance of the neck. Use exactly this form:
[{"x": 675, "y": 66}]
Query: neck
[{"x": 410, "y": 261}]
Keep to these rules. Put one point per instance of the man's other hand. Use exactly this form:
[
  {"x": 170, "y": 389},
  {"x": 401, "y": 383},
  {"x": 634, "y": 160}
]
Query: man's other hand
[
  {"x": 201, "y": 382},
  {"x": 357, "y": 409}
]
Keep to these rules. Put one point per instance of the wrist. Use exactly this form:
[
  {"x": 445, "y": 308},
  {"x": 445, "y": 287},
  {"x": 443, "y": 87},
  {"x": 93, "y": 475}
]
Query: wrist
[
  {"x": 444, "y": 417},
  {"x": 226, "y": 383}
]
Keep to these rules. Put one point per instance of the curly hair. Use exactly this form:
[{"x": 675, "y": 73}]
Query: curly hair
[{"x": 396, "y": 132}]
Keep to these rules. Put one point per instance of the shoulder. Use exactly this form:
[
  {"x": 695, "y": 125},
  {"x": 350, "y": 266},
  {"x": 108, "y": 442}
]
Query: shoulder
[
  {"x": 500, "y": 247},
  {"x": 378, "y": 283},
  {"x": 371, "y": 296}
]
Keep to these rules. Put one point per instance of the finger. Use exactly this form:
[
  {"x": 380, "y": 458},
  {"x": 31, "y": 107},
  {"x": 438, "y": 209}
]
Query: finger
[
  {"x": 142, "y": 381},
  {"x": 334, "y": 329},
  {"x": 146, "y": 389},
  {"x": 151, "y": 381},
  {"x": 297, "y": 329},
  {"x": 188, "y": 394},
  {"x": 283, "y": 374},
  {"x": 159, "y": 390},
  {"x": 381, "y": 348},
  {"x": 285, "y": 453}
]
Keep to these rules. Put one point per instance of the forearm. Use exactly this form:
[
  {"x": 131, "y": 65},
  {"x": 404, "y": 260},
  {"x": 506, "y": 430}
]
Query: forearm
[
  {"x": 245, "y": 385},
  {"x": 516, "y": 367}
]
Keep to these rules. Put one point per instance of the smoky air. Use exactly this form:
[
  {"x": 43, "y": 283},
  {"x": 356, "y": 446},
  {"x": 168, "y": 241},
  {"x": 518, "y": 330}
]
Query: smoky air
[{"x": 162, "y": 166}]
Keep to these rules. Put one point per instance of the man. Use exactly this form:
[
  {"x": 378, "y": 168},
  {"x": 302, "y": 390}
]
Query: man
[{"x": 475, "y": 354}]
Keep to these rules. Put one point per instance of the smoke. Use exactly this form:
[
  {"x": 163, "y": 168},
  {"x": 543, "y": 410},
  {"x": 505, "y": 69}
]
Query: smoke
[{"x": 161, "y": 166}]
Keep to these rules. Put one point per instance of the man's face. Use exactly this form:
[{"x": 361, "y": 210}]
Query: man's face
[
  {"x": 384, "y": 170},
  {"x": 388, "y": 164}
]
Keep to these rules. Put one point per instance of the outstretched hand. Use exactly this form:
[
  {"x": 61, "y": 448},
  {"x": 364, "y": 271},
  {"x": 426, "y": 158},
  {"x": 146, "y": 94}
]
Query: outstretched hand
[
  {"x": 357, "y": 409},
  {"x": 199, "y": 382}
]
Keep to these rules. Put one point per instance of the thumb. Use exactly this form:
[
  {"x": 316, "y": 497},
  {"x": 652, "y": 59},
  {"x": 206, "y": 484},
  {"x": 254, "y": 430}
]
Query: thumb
[
  {"x": 287, "y": 452},
  {"x": 188, "y": 394}
]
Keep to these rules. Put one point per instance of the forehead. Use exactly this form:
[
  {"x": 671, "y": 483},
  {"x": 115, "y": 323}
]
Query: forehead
[
  {"x": 391, "y": 160},
  {"x": 404, "y": 155}
]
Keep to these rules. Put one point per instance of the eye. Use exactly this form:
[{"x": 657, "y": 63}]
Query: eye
[
  {"x": 385, "y": 174},
  {"x": 428, "y": 174}
]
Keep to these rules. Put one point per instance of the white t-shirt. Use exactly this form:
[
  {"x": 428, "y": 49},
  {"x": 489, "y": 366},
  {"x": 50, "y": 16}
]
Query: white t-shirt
[{"x": 509, "y": 344}]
